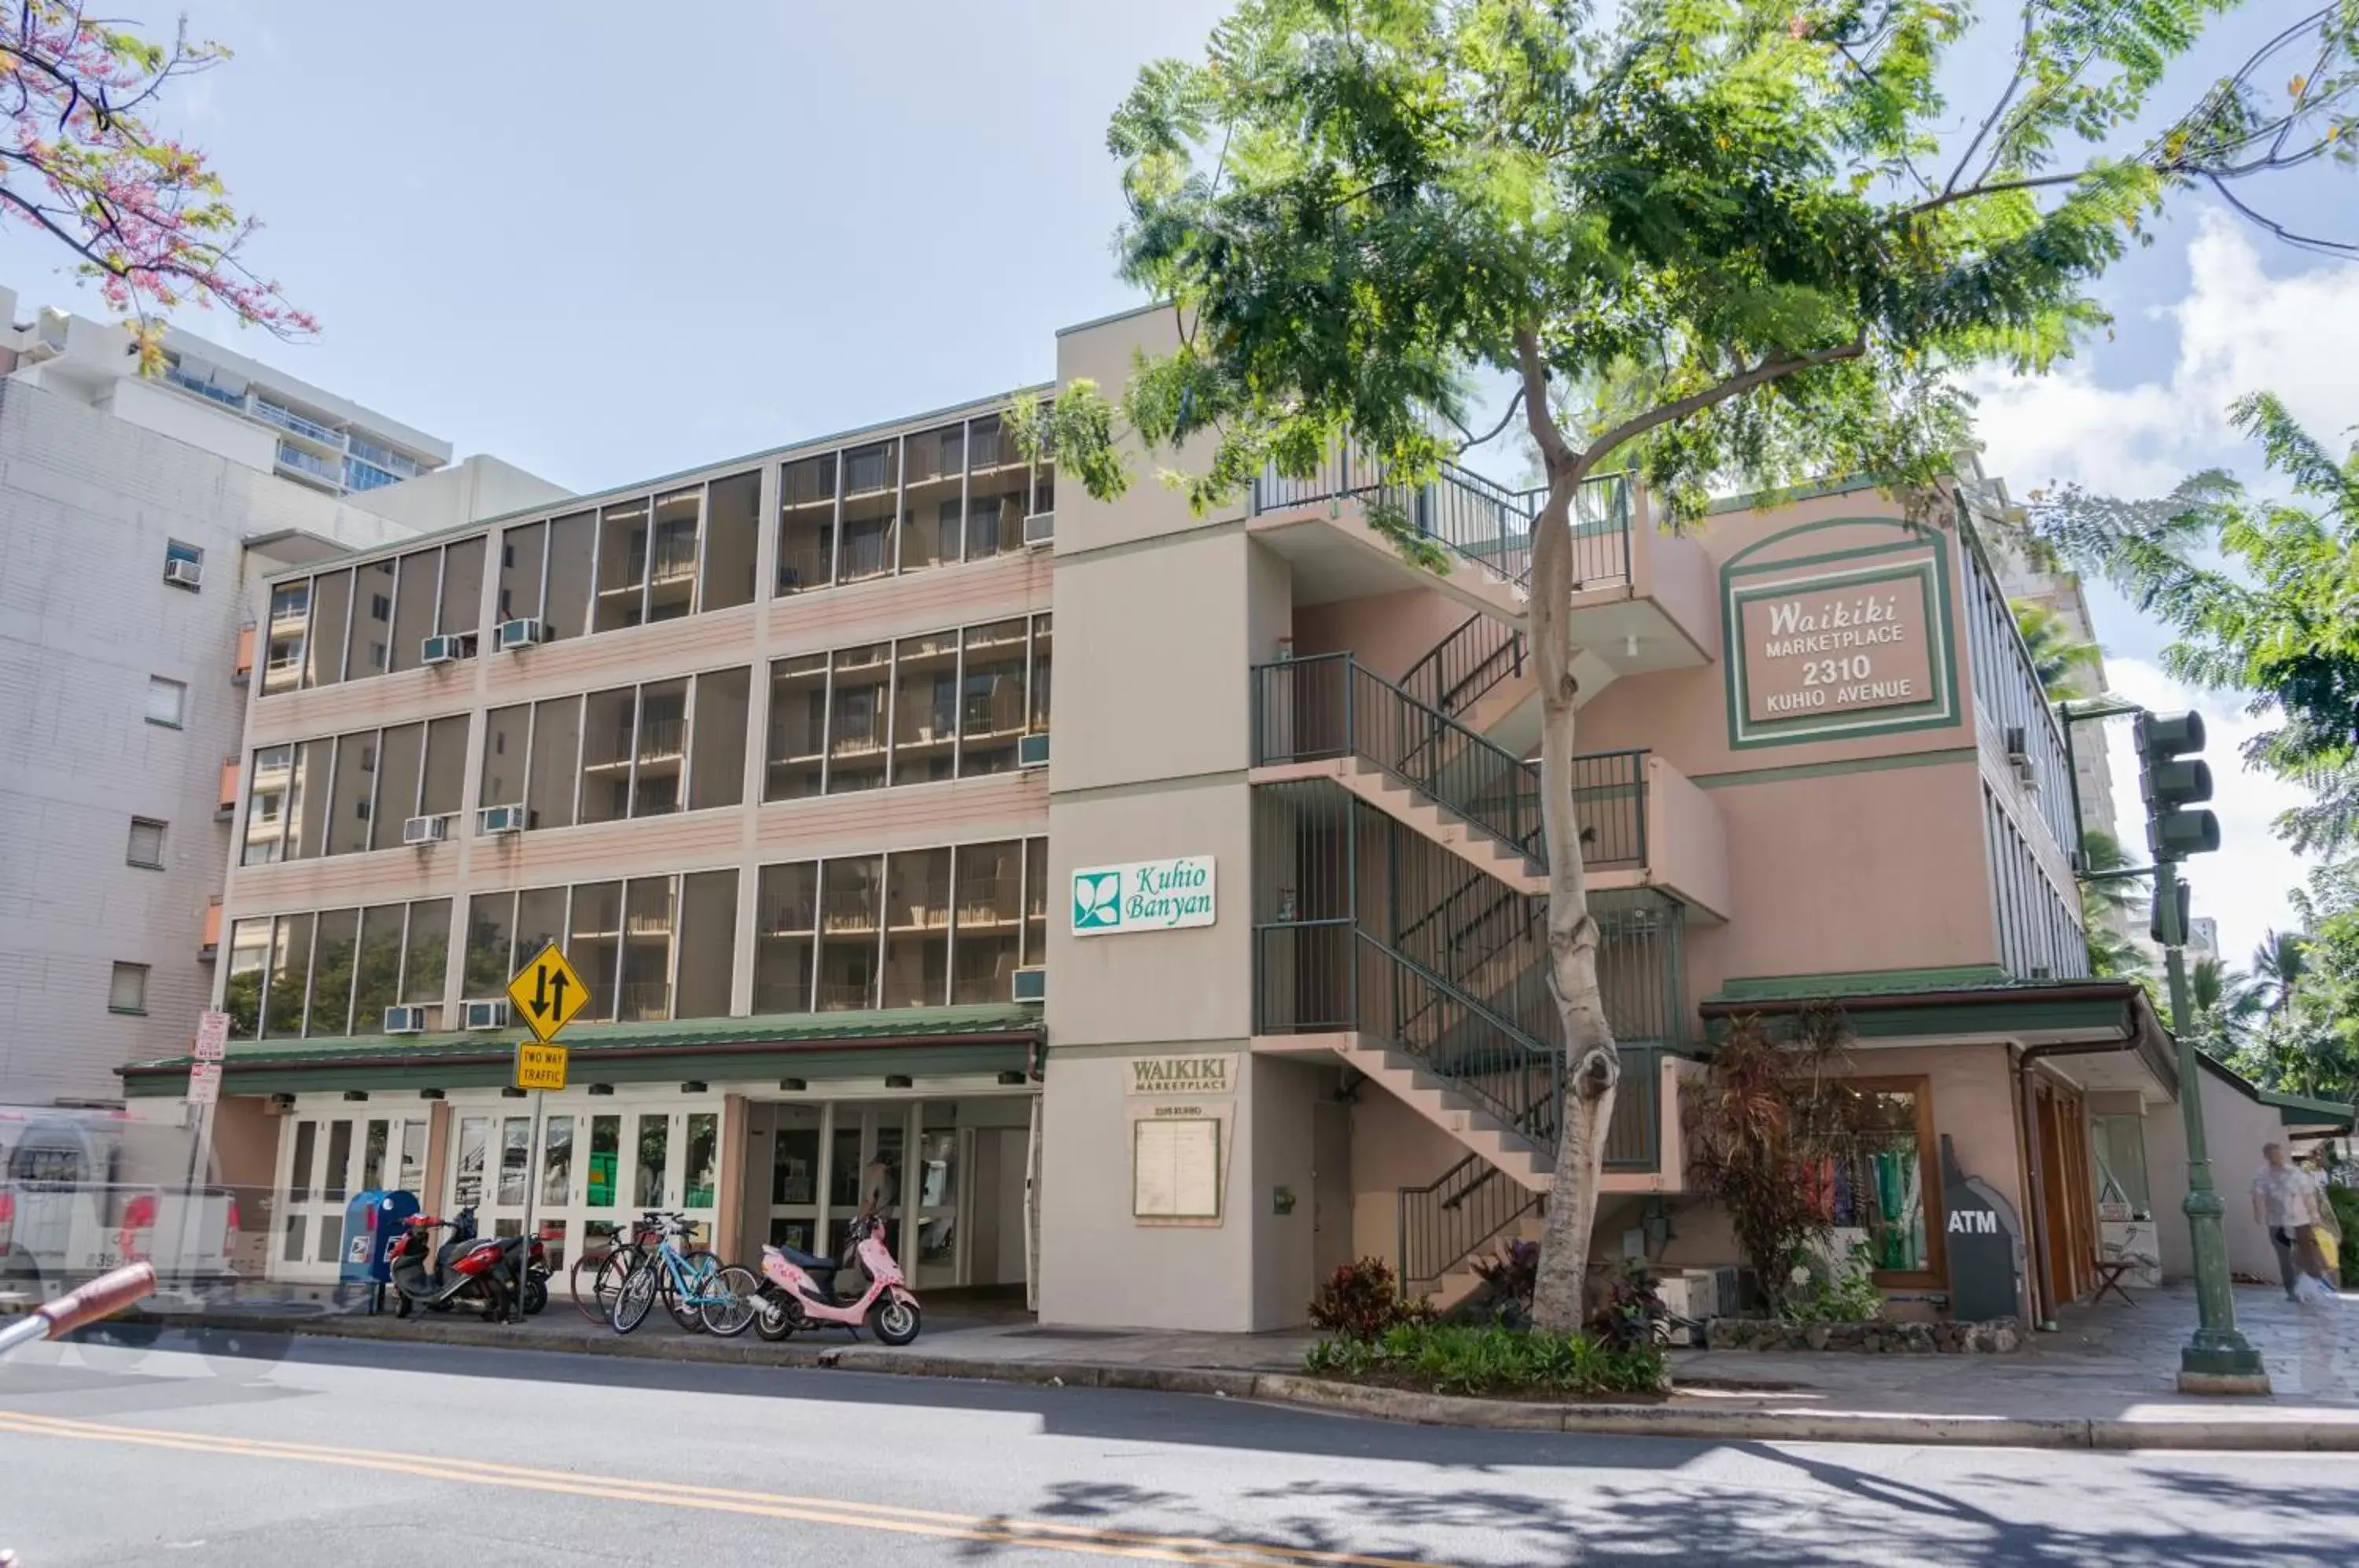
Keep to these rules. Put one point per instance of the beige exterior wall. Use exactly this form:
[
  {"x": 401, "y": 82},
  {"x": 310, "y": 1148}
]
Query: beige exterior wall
[{"x": 2235, "y": 1128}]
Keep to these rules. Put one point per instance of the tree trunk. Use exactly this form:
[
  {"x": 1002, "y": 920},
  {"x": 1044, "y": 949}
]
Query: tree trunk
[{"x": 1592, "y": 1066}]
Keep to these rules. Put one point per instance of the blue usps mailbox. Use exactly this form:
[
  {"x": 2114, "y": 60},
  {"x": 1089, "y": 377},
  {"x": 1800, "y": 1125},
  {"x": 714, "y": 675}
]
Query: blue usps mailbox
[{"x": 374, "y": 1221}]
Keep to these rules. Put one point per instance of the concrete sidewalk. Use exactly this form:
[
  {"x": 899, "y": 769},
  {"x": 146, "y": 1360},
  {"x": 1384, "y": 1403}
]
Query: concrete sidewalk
[{"x": 2106, "y": 1380}]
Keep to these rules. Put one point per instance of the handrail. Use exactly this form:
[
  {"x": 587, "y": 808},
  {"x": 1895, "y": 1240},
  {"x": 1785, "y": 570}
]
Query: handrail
[
  {"x": 1474, "y": 518},
  {"x": 1461, "y": 667},
  {"x": 1328, "y": 705},
  {"x": 1442, "y": 1224}
]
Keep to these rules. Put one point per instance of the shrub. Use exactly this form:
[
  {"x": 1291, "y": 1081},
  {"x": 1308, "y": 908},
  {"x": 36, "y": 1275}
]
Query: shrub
[
  {"x": 2346, "y": 1214},
  {"x": 1362, "y": 1301},
  {"x": 1848, "y": 1294},
  {"x": 1450, "y": 1358},
  {"x": 1633, "y": 1315}
]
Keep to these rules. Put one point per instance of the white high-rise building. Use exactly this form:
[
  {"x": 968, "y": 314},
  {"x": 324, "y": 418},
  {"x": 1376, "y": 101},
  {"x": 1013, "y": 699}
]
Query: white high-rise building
[{"x": 136, "y": 519}]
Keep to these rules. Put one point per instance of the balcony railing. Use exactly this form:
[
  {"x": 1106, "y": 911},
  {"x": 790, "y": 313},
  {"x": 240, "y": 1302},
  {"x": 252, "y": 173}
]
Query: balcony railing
[
  {"x": 1329, "y": 976},
  {"x": 641, "y": 1001},
  {"x": 296, "y": 457},
  {"x": 1463, "y": 665},
  {"x": 359, "y": 475},
  {"x": 1328, "y": 706},
  {"x": 288, "y": 419},
  {"x": 176, "y": 376},
  {"x": 1472, "y": 517}
]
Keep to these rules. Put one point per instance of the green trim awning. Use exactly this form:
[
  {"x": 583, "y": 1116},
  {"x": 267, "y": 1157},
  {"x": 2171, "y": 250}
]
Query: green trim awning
[
  {"x": 993, "y": 1038},
  {"x": 2100, "y": 1013}
]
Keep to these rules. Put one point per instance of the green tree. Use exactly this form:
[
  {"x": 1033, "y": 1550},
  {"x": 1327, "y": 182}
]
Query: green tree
[
  {"x": 2278, "y": 965},
  {"x": 2061, "y": 659},
  {"x": 2225, "y": 1002},
  {"x": 1705, "y": 241},
  {"x": 2278, "y": 615},
  {"x": 2111, "y": 908}
]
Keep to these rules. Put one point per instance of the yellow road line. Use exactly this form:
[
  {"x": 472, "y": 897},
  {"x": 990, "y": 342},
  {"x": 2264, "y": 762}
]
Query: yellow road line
[{"x": 1047, "y": 1534}]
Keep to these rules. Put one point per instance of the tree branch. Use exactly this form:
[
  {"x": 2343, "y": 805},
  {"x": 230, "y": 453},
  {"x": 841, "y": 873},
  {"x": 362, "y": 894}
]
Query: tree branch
[
  {"x": 2013, "y": 83},
  {"x": 1718, "y": 392},
  {"x": 1996, "y": 187},
  {"x": 1474, "y": 440}
]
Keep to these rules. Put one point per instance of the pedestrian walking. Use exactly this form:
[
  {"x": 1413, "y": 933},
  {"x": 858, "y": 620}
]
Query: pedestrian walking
[{"x": 2288, "y": 1200}]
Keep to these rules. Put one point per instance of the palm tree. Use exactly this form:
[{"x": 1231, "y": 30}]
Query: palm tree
[
  {"x": 2280, "y": 964},
  {"x": 2225, "y": 1002},
  {"x": 2058, "y": 658},
  {"x": 2111, "y": 910}
]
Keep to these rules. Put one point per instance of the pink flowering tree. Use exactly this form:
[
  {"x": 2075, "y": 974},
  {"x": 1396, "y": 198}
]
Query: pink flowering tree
[{"x": 151, "y": 223}]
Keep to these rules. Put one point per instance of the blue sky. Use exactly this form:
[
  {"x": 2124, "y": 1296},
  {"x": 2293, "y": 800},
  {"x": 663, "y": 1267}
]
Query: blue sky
[{"x": 605, "y": 242}]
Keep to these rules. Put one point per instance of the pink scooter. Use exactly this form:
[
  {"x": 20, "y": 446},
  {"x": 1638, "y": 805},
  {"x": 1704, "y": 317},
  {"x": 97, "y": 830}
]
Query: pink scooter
[{"x": 799, "y": 1292}]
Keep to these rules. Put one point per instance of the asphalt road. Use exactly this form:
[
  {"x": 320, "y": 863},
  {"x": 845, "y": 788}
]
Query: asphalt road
[{"x": 357, "y": 1453}]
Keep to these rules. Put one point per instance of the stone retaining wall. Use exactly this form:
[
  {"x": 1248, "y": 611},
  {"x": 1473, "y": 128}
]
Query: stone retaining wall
[{"x": 1877, "y": 1336}]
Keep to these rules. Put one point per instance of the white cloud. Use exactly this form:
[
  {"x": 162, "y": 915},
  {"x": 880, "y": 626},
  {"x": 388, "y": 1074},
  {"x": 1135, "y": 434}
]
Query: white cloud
[
  {"x": 2239, "y": 330},
  {"x": 2244, "y": 887}
]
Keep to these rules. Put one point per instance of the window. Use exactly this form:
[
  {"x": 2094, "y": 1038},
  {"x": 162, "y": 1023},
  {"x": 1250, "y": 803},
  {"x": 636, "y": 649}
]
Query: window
[
  {"x": 167, "y": 702},
  {"x": 933, "y": 512},
  {"x": 1885, "y": 1186},
  {"x": 418, "y": 588},
  {"x": 991, "y": 710},
  {"x": 786, "y": 927},
  {"x": 708, "y": 945},
  {"x": 331, "y": 609},
  {"x": 128, "y": 994},
  {"x": 147, "y": 847},
  {"x": 870, "y": 505},
  {"x": 290, "y": 614},
  {"x": 733, "y": 528},
  {"x": 797, "y": 750},
  {"x": 716, "y": 773},
  {"x": 807, "y": 524}
]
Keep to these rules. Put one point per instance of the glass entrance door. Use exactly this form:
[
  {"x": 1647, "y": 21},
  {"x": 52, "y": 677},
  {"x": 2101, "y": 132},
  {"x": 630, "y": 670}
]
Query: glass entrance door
[
  {"x": 590, "y": 1170},
  {"x": 324, "y": 1161}
]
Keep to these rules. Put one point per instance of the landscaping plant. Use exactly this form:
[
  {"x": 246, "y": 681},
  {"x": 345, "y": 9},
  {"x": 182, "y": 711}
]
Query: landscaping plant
[
  {"x": 1454, "y": 1358},
  {"x": 1361, "y": 1301}
]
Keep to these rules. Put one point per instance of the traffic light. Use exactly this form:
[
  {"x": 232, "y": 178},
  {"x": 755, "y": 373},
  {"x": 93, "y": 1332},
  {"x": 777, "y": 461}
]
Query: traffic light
[
  {"x": 2181, "y": 903},
  {"x": 2170, "y": 781}
]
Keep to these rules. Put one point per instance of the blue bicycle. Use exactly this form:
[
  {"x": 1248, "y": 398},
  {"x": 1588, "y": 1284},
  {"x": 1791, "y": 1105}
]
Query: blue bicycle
[{"x": 696, "y": 1286}]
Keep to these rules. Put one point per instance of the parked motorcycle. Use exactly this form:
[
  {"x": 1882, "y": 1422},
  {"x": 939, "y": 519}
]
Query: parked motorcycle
[
  {"x": 799, "y": 1292},
  {"x": 468, "y": 1268}
]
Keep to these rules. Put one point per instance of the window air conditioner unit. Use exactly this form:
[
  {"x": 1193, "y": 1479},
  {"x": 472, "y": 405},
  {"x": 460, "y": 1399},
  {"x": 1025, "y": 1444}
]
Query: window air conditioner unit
[
  {"x": 515, "y": 634},
  {"x": 405, "y": 1020},
  {"x": 500, "y": 820},
  {"x": 186, "y": 574},
  {"x": 426, "y": 829},
  {"x": 489, "y": 1015},
  {"x": 2024, "y": 774},
  {"x": 1032, "y": 751},
  {"x": 1028, "y": 985},
  {"x": 439, "y": 650},
  {"x": 1039, "y": 530}
]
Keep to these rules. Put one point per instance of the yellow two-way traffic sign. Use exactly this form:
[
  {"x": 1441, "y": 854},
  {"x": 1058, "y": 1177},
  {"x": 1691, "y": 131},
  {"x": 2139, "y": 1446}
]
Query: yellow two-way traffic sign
[{"x": 548, "y": 993}]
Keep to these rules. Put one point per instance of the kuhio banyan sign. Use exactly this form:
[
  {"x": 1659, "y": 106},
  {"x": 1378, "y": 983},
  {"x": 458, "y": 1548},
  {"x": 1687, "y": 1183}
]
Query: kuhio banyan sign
[{"x": 1145, "y": 895}]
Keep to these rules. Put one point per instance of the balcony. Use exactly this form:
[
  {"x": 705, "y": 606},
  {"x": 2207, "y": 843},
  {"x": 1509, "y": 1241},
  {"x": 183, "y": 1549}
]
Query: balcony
[
  {"x": 228, "y": 807},
  {"x": 1642, "y": 599},
  {"x": 243, "y": 671},
  {"x": 174, "y": 376},
  {"x": 359, "y": 475},
  {"x": 303, "y": 461}
]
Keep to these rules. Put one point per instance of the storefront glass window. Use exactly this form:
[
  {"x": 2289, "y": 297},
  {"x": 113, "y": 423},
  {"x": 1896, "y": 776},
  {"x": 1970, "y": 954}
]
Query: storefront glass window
[
  {"x": 516, "y": 1158},
  {"x": 606, "y": 1149},
  {"x": 654, "y": 1145},
  {"x": 474, "y": 1136},
  {"x": 1881, "y": 1188}
]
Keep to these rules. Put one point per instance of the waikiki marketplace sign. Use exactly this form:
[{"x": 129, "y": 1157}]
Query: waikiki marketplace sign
[{"x": 1144, "y": 895}]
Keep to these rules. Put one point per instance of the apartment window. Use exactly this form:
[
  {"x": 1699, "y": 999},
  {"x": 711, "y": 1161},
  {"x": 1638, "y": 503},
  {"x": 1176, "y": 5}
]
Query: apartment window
[
  {"x": 461, "y": 594},
  {"x": 807, "y": 504},
  {"x": 572, "y": 562},
  {"x": 147, "y": 846},
  {"x": 490, "y": 923},
  {"x": 425, "y": 951},
  {"x": 933, "y": 487},
  {"x": 128, "y": 991},
  {"x": 859, "y": 701},
  {"x": 400, "y": 755},
  {"x": 249, "y": 962},
  {"x": 290, "y": 615},
  {"x": 917, "y": 928},
  {"x": 593, "y": 948},
  {"x": 797, "y": 735},
  {"x": 991, "y": 706},
  {"x": 555, "y": 760},
  {"x": 332, "y": 614},
  {"x": 370, "y": 627},
  {"x": 355, "y": 789},
  {"x": 524, "y": 553},
  {"x": 997, "y": 482},
  {"x": 418, "y": 586},
  {"x": 720, "y": 715},
  {"x": 851, "y": 916},
  {"x": 708, "y": 945},
  {"x": 671, "y": 555},
  {"x": 286, "y": 998},
  {"x": 648, "y": 913},
  {"x": 168, "y": 702},
  {"x": 870, "y": 506},
  {"x": 335, "y": 953},
  {"x": 786, "y": 937},
  {"x": 661, "y": 755},
  {"x": 507, "y": 744},
  {"x": 988, "y": 915},
  {"x": 925, "y": 708},
  {"x": 622, "y": 566},
  {"x": 732, "y": 529},
  {"x": 186, "y": 554},
  {"x": 606, "y": 745},
  {"x": 376, "y": 984}
]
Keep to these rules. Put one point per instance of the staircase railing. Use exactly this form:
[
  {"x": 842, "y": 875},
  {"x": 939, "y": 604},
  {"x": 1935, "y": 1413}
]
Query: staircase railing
[
  {"x": 1472, "y": 517},
  {"x": 1461, "y": 667},
  {"x": 1330, "y": 976},
  {"x": 1443, "y": 1222},
  {"x": 1328, "y": 706},
  {"x": 1447, "y": 1220}
]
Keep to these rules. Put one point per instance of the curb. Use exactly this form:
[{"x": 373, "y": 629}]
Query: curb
[{"x": 2255, "y": 1433}]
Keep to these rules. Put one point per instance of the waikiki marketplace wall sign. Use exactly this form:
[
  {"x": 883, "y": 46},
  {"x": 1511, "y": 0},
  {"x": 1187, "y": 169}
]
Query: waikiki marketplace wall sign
[{"x": 1143, "y": 896}]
